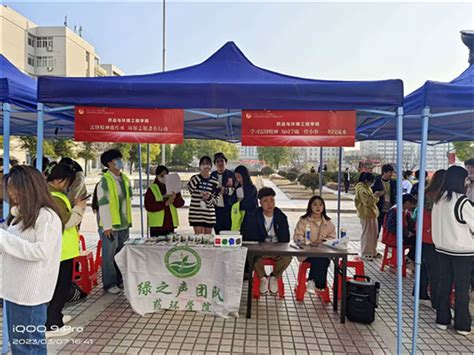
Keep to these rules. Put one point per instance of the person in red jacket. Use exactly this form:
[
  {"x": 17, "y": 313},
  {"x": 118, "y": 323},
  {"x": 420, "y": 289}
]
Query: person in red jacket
[
  {"x": 430, "y": 264},
  {"x": 389, "y": 235},
  {"x": 156, "y": 201}
]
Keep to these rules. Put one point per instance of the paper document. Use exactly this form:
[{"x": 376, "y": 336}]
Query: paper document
[{"x": 173, "y": 183}]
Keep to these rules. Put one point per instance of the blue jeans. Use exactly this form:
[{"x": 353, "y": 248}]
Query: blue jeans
[
  {"x": 111, "y": 275},
  {"x": 26, "y": 328}
]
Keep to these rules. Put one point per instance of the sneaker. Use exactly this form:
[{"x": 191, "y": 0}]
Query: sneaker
[
  {"x": 463, "y": 332},
  {"x": 442, "y": 326},
  {"x": 121, "y": 286},
  {"x": 61, "y": 332},
  {"x": 367, "y": 257},
  {"x": 114, "y": 290},
  {"x": 273, "y": 285},
  {"x": 67, "y": 318},
  {"x": 310, "y": 286},
  {"x": 263, "y": 285},
  {"x": 378, "y": 256}
]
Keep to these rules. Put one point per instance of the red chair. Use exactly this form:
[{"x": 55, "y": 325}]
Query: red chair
[
  {"x": 358, "y": 265},
  {"x": 392, "y": 260},
  {"x": 84, "y": 273},
  {"x": 98, "y": 256},
  {"x": 300, "y": 288},
  {"x": 256, "y": 281}
]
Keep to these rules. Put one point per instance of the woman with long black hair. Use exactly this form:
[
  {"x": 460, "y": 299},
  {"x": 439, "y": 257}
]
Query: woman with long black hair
[
  {"x": 244, "y": 199},
  {"x": 453, "y": 237}
]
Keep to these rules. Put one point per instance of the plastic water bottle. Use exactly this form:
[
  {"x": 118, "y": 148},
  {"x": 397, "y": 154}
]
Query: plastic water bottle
[
  {"x": 343, "y": 232},
  {"x": 307, "y": 235}
]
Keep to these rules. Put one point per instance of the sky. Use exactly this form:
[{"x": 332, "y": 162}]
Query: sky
[{"x": 414, "y": 42}]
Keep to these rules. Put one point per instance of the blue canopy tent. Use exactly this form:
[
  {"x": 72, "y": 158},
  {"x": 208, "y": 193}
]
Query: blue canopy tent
[
  {"x": 214, "y": 92},
  {"x": 437, "y": 112}
]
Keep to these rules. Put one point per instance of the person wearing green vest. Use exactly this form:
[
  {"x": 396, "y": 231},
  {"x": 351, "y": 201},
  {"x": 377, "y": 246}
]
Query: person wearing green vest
[
  {"x": 161, "y": 206},
  {"x": 244, "y": 199},
  {"x": 114, "y": 196},
  {"x": 59, "y": 182}
]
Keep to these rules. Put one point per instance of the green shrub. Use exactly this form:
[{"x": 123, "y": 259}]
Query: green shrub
[
  {"x": 292, "y": 176},
  {"x": 310, "y": 181},
  {"x": 282, "y": 173},
  {"x": 266, "y": 171}
]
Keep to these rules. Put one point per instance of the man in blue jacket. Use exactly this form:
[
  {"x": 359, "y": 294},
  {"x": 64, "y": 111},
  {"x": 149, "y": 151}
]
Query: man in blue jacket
[{"x": 268, "y": 224}]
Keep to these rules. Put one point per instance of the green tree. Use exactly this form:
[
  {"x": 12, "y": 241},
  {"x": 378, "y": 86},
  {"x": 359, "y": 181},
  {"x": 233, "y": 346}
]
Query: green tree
[
  {"x": 29, "y": 144},
  {"x": 63, "y": 148},
  {"x": 183, "y": 154},
  {"x": 274, "y": 156},
  {"x": 464, "y": 150},
  {"x": 87, "y": 151}
]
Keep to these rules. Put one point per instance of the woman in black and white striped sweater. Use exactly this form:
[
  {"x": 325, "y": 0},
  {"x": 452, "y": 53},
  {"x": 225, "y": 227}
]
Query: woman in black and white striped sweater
[{"x": 204, "y": 191}]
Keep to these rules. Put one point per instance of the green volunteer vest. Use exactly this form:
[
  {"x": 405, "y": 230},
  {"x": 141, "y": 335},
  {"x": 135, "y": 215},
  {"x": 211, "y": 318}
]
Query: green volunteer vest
[
  {"x": 156, "y": 219},
  {"x": 114, "y": 199},
  {"x": 236, "y": 216},
  {"x": 70, "y": 242}
]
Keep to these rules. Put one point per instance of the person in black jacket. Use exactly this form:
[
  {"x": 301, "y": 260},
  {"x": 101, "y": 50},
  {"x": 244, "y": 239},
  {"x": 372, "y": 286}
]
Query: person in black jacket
[
  {"x": 226, "y": 181},
  {"x": 385, "y": 183},
  {"x": 414, "y": 189},
  {"x": 268, "y": 224}
]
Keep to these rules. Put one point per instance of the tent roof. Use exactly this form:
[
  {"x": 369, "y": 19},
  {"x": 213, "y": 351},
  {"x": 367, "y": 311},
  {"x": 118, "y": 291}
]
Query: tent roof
[
  {"x": 19, "y": 90},
  {"x": 457, "y": 95},
  {"x": 227, "y": 81}
]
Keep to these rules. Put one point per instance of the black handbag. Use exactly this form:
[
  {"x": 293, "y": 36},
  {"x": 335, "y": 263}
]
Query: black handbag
[{"x": 362, "y": 299}]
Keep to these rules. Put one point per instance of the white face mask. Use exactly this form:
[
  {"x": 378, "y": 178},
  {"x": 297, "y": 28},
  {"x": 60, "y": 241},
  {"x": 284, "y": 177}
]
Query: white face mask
[{"x": 161, "y": 179}]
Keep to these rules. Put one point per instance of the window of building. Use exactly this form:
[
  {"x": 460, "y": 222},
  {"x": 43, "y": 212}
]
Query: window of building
[
  {"x": 31, "y": 60},
  {"x": 44, "y": 42},
  {"x": 31, "y": 40},
  {"x": 45, "y": 62}
]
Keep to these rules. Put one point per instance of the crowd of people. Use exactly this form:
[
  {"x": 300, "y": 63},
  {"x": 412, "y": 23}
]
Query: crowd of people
[
  {"x": 41, "y": 237},
  {"x": 447, "y": 235}
]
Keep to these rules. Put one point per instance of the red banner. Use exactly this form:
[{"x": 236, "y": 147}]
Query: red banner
[
  {"x": 298, "y": 128},
  {"x": 128, "y": 125}
]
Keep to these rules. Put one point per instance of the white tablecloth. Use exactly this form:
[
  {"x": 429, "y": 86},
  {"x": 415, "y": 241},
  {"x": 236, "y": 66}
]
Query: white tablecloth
[{"x": 202, "y": 279}]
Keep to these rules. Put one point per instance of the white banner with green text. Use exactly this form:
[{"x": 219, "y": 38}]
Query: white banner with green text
[{"x": 201, "y": 278}]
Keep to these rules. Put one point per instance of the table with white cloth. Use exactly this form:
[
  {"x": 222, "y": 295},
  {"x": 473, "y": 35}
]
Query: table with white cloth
[{"x": 179, "y": 277}]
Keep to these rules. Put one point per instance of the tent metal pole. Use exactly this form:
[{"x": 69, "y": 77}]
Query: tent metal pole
[
  {"x": 419, "y": 223},
  {"x": 6, "y": 168},
  {"x": 399, "y": 230},
  {"x": 6, "y": 149},
  {"x": 147, "y": 182},
  {"x": 339, "y": 179},
  {"x": 40, "y": 137},
  {"x": 321, "y": 171},
  {"x": 140, "y": 181},
  {"x": 163, "y": 62}
]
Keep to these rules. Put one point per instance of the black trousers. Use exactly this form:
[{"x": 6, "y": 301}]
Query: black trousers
[
  {"x": 319, "y": 271},
  {"x": 63, "y": 286},
  {"x": 347, "y": 183},
  {"x": 223, "y": 222},
  {"x": 457, "y": 269},
  {"x": 380, "y": 219},
  {"x": 429, "y": 278}
]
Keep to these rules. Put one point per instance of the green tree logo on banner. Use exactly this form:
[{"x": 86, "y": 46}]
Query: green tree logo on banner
[{"x": 182, "y": 262}]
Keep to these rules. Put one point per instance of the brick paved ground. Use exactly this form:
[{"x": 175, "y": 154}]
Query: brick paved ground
[{"x": 278, "y": 326}]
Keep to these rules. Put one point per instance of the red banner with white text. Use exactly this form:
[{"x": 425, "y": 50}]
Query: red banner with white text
[
  {"x": 128, "y": 125},
  {"x": 298, "y": 128}
]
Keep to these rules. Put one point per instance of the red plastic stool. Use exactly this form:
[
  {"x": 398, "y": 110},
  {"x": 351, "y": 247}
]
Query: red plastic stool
[
  {"x": 300, "y": 288},
  {"x": 98, "y": 255},
  {"x": 358, "y": 265},
  {"x": 392, "y": 260},
  {"x": 256, "y": 281},
  {"x": 83, "y": 272}
]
